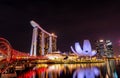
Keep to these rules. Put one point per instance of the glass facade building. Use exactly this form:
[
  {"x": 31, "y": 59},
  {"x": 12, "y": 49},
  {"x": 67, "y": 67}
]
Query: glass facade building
[{"x": 104, "y": 48}]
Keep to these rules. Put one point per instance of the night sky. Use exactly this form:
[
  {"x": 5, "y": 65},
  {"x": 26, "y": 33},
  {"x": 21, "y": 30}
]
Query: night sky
[{"x": 70, "y": 21}]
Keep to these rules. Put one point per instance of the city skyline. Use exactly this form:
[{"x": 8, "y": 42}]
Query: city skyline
[{"x": 71, "y": 22}]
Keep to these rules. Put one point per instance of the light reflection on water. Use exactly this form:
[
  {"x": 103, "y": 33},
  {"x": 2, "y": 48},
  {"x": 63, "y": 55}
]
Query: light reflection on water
[
  {"x": 86, "y": 73},
  {"x": 83, "y": 70},
  {"x": 64, "y": 70}
]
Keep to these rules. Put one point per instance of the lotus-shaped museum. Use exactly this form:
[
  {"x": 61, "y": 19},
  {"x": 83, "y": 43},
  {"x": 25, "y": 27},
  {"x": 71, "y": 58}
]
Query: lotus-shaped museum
[{"x": 85, "y": 51}]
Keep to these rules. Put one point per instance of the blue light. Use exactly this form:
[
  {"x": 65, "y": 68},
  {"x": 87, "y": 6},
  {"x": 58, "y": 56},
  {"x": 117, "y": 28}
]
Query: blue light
[
  {"x": 86, "y": 73},
  {"x": 87, "y": 50}
]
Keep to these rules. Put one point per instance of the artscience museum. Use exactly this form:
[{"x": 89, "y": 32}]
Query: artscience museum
[{"x": 86, "y": 50}]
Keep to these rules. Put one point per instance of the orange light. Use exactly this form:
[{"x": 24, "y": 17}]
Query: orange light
[{"x": 52, "y": 34}]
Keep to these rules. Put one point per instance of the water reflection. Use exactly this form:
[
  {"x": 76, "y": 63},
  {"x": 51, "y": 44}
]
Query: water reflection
[
  {"x": 86, "y": 73},
  {"x": 90, "y": 70},
  {"x": 110, "y": 69},
  {"x": 64, "y": 70}
]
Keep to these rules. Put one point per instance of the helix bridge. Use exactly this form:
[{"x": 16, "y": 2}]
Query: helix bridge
[
  {"x": 8, "y": 53},
  {"x": 12, "y": 59}
]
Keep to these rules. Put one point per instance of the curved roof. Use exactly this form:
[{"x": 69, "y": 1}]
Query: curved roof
[{"x": 86, "y": 51}]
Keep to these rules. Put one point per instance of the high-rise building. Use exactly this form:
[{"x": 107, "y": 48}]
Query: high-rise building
[
  {"x": 109, "y": 47},
  {"x": 42, "y": 41},
  {"x": 104, "y": 48}
]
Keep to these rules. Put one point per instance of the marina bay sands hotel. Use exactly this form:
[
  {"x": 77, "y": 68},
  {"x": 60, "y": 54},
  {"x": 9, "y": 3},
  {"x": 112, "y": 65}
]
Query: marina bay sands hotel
[{"x": 42, "y": 41}]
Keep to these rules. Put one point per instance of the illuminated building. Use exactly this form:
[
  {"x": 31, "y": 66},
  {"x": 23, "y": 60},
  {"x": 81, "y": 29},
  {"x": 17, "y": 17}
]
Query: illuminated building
[
  {"x": 55, "y": 55},
  {"x": 86, "y": 51},
  {"x": 42, "y": 41},
  {"x": 104, "y": 48}
]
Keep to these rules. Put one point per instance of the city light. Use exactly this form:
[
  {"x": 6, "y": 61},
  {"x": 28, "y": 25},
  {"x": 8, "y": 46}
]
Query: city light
[
  {"x": 52, "y": 34},
  {"x": 101, "y": 40}
]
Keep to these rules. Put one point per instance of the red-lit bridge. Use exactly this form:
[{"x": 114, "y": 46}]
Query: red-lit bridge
[
  {"x": 8, "y": 53},
  {"x": 11, "y": 59}
]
